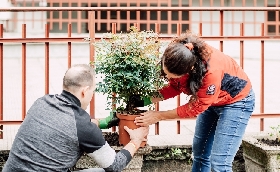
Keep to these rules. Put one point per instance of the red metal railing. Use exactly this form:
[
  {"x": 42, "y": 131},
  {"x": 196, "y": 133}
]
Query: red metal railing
[{"x": 92, "y": 37}]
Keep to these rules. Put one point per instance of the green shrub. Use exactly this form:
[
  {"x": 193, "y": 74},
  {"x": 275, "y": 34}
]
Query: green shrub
[{"x": 128, "y": 64}]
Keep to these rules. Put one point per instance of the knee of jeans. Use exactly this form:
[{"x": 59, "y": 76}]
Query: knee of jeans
[{"x": 220, "y": 166}]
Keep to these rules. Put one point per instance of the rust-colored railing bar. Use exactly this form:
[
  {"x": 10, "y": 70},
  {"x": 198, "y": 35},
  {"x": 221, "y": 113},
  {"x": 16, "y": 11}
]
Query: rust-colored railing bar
[
  {"x": 91, "y": 23},
  {"x": 108, "y": 17},
  {"x": 137, "y": 25},
  {"x": 260, "y": 115},
  {"x": 69, "y": 45},
  {"x": 98, "y": 15},
  {"x": 32, "y": 4},
  {"x": 79, "y": 23},
  {"x": 190, "y": 14},
  {"x": 200, "y": 29},
  {"x": 179, "y": 29},
  {"x": 242, "y": 46},
  {"x": 265, "y": 115},
  {"x": 51, "y": 15},
  {"x": 28, "y": 9},
  {"x": 114, "y": 31},
  {"x": 23, "y": 73},
  {"x": 83, "y": 39},
  {"x": 221, "y": 29},
  {"x": 10, "y": 122},
  {"x": 60, "y": 17},
  {"x": 41, "y": 40},
  {"x": 47, "y": 59},
  {"x": 230, "y": 38},
  {"x": 157, "y": 30},
  {"x": 1, "y": 80},
  {"x": 262, "y": 80},
  {"x": 169, "y": 18}
]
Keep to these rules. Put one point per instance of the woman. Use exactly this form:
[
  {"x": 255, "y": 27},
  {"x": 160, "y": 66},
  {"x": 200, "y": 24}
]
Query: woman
[{"x": 221, "y": 97}]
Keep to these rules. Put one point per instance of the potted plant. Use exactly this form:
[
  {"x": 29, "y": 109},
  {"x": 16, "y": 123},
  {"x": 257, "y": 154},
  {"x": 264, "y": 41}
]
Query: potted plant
[
  {"x": 128, "y": 63},
  {"x": 261, "y": 151}
]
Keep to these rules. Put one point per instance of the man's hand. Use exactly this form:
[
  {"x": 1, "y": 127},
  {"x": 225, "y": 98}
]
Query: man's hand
[
  {"x": 136, "y": 101},
  {"x": 138, "y": 135},
  {"x": 109, "y": 121}
]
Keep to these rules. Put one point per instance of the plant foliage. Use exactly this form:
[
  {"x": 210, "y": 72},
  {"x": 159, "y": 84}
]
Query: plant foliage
[{"x": 128, "y": 63}]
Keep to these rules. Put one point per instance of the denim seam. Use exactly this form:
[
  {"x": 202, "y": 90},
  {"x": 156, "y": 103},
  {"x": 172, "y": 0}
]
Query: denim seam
[
  {"x": 207, "y": 140},
  {"x": 243, "y": 109}
]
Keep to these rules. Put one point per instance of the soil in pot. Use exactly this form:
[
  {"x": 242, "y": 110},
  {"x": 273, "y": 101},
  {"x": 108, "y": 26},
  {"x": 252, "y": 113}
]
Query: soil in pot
[{"x": 275, "y": 142}]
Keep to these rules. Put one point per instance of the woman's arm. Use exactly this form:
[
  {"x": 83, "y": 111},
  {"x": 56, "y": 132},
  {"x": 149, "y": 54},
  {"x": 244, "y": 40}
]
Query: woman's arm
[{"x": 152, "y": 117}]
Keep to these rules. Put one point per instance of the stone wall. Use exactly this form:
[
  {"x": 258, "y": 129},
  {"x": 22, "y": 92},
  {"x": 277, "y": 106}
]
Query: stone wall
[{"x": 173, "y": 159}]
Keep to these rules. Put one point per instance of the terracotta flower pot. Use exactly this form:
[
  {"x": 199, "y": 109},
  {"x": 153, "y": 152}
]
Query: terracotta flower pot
[{"x": 127, "y": 120}]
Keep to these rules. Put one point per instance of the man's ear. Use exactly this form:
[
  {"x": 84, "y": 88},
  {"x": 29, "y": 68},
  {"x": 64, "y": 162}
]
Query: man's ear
[{"x": 84, "y": 91}]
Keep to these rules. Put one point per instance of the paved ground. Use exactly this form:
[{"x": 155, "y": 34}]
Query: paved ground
[{"x": 58, "y": 66}]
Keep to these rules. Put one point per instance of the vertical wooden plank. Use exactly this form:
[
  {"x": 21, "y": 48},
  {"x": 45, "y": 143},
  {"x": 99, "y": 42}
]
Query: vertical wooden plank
[
  {"x": 242, "y": 46},
  {"x": 179, "y": 28},
  {"x": 91, "y": 56},
  {"x": 23, "y": 72},
  {"x": 262, "y": 80},
  {"x": 1, "y": 81},
  {"x": 47, "y": 54},
  {"x": 69, "y": 45}
]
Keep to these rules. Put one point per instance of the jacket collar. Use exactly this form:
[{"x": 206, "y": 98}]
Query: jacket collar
[{"x": 73, "y": 99}]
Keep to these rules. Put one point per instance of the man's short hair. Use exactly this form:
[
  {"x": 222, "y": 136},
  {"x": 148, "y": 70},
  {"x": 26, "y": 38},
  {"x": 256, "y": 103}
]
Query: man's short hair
[{"x": 77, "y": 76}]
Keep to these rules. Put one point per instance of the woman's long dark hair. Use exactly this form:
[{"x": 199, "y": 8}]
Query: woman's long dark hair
[{"x": 180, "y": 60}]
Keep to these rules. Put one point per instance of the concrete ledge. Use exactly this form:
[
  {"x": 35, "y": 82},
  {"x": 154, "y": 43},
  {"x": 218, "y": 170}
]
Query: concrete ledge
[
  {"x": 163, "y": 153},
  {"x": 259, "y": 156}
]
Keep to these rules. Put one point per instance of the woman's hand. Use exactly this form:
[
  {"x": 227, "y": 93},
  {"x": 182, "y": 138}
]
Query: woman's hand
[{"x": 148, "y": 118}]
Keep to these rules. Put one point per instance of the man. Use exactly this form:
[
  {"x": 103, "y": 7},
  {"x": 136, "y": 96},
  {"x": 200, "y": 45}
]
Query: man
[{"x": 57, "y": 131}]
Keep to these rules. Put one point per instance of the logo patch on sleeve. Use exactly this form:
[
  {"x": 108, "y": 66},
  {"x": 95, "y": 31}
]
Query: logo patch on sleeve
[{"x": 211, "y": 90}]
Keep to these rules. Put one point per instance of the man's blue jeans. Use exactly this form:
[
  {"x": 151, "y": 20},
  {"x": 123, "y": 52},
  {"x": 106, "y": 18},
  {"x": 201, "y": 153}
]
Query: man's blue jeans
[{"x": 218, "y": 135}]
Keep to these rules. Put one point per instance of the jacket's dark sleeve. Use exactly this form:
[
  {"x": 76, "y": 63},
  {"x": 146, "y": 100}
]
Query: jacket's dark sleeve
[{"x": 93, "y": 143}]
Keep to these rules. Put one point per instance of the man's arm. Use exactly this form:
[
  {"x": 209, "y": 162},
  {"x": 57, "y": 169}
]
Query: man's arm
[
  {"x": 92, "y": 142},
  {"x": 108, "y": 122}
]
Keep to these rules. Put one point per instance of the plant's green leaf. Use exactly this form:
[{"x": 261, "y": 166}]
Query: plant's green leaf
[{"x": 128, "y": 62}]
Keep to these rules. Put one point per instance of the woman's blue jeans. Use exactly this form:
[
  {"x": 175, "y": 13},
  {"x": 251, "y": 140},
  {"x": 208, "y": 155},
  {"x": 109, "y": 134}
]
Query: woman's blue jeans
[{"x": 218, "y": 135}]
